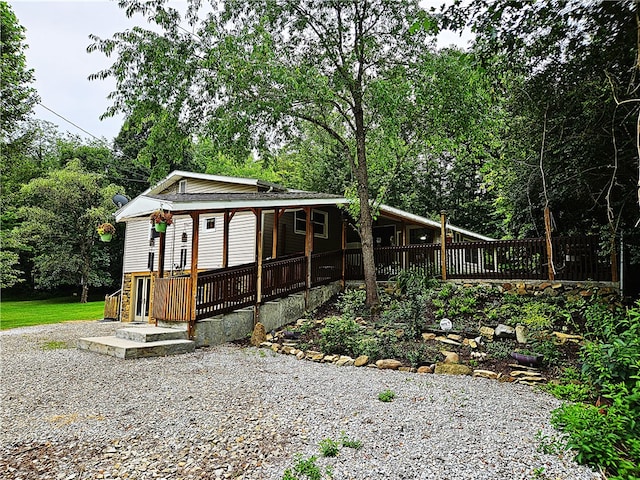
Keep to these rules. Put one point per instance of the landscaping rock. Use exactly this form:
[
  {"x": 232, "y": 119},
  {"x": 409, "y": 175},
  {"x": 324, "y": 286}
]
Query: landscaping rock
[
  {"x": 315, "y": 356},
  {"x": 259, "y": 335},
  {"x": 448, "y": 341},
  {"x": 425, "y": 369},
  {"x": 450, "y": 357},
  {"x": 453, "y": 369},
  {"x": 428, "y": 336},
  {"x": 485, "y": 374},
  {"x": 300, "y": 355},
  {"x": 344, "y": 361},
  {"x": 505, "y": 331},
  {"x": 361, "y": 361},
  {"x": 388, "y": 364},
  {"x": 521, "y": 334},
  {"x": 487, "y": 332},
  {"x": 455, "y": 337}
]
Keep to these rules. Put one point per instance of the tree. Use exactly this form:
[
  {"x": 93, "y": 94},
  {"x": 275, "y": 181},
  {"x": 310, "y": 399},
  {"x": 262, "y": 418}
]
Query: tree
[
  {"x": 255, "y": 72},
  {"x": 17, "y": 97},
  {"x": 574, "y": 107},
  {"x": 60, "y": 212}
]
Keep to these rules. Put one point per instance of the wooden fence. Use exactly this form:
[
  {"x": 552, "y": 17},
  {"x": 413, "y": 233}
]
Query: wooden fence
[
  {"x": 112, "y": 306},
  {"x": 326, "y": 267},
  {"x": 172, "y": 299}
]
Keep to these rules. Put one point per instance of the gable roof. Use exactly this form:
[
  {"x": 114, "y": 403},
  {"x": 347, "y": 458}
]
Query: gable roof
[
  {"x": 177, "y": 175},
  {"x": 276, "y": 197}
]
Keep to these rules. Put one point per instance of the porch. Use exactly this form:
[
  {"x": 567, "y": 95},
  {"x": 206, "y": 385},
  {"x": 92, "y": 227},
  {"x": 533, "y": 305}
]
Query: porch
[{"x": 225, "y": 290}]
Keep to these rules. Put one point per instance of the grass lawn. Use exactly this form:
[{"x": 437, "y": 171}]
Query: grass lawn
[{"x": 55, "y": 310}]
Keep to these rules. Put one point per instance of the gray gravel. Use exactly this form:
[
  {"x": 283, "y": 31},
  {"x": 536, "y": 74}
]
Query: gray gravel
[{"x": 228, "y": 412}]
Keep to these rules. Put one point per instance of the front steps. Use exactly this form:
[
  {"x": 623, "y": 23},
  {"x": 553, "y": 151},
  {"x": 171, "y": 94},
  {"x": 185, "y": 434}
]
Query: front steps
[{"x": 140, "y": 342}]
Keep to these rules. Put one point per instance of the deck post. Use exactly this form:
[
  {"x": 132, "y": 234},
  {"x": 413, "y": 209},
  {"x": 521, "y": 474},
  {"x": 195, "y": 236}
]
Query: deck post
[
  {"x": 551, "y": 274},
  {"x": 259, "y": 248},
  {"x": 443, "y": 241},
  {"x": 343, "y": 244},
  {"x": 308, "y": 250},
  {"x": 161, "y": 253},
  {"x": 225, "y": 238},
  {"x": 277, "y": 213},
  {"x": 195, "y": 224}
]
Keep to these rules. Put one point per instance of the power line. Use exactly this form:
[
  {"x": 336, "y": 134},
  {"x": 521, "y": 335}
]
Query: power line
[{"x": 70, "y": 122}]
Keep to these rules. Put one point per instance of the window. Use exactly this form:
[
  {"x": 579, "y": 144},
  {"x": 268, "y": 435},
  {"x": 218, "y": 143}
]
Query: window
[
  {"x": 182, "y": 186},
  {"x": 183, "y": 258},
  {"x": 211, "y": 223},
  {"x": 319, "y": 222},
  {"x": 150, "y": 261}
]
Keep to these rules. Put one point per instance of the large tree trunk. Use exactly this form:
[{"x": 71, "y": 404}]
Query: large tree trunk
[{"x": 366, "y": 218}]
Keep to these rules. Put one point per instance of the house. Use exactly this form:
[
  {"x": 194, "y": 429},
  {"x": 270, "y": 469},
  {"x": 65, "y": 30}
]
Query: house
[{"x": 236, "y": 242}]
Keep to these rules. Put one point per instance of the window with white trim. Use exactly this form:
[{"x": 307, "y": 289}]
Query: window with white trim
[
  {"x": 182, "y": 186},
  {"x": 319, "y": 223},
  {"x": 211, "y": 223}
]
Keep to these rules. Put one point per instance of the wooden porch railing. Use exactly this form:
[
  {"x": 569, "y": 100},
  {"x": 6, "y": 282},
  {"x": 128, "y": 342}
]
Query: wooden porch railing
[
  {"x": 172, "y": 299},
  {"x": 226, "y": 290},
  {"x": 282, "y": 277},
  {"x": 112, "y": 306},
  {"x": 326, "y": 267},
  {"x": 574, "y": 258}
]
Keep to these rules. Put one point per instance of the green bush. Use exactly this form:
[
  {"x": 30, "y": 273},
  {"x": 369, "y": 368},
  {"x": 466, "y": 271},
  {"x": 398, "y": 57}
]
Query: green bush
[
  {"x": 411, "y": 312},
  {"x": 413, "y": 282},
  {"x": 339, "y": 336},
  {"x": 352, "y": 303}
]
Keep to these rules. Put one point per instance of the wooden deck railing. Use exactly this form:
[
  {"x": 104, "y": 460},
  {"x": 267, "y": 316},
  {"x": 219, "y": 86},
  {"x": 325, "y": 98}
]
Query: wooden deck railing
[
  {"x": 172, "y": 299},
  {"x": 326, "y": 267},
  {"x": 112, "y": 306},
  {"x": 574, "y": 258},
  {"x": 226, "y": 290},
  {"x": 282, "y": 277}
]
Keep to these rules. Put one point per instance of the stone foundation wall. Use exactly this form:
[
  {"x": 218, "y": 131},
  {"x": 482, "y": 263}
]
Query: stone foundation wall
[
  {"x": 569, "y": 289},
  {"x": 273, "y": 315}
]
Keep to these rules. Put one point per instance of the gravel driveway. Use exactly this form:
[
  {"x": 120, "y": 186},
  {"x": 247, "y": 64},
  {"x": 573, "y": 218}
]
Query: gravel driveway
[{"x": 227, "y": 412}]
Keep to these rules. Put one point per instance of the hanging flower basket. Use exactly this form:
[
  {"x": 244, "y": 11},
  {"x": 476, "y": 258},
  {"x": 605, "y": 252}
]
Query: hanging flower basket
[
  {"x": 106, "y": 231},
  {"x": 160, "y": 220}
]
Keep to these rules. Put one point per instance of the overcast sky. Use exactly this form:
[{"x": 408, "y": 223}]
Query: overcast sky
[{"x": 57, "y": 38}]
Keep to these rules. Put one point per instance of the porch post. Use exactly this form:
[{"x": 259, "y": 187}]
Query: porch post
[
  {"x": 258, "y": 213},
  {"x": 547, "y": 230},
  {"x": 225, "y": 240},
  {"x": 308, "y": 249},
  {"x": 443, "y": 241},
  {"x": 344, "y": 255},
  {"x": 276, "y": 223},
  {"x": 161, "y": 250},
  {"x": 195, "y": 229}
]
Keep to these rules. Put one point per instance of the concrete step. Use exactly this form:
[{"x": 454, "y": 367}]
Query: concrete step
[
  {"x": 127, "y": 349},
  {"x": 147, "y": 333}
]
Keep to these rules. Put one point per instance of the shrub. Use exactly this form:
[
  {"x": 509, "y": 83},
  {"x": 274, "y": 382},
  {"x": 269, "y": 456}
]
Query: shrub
[
  {"x": 413, "y": 282},
  {"x": 352, "y": 303},
  {"x": 411, "y": 312},
  {"x": 339, "y": 336}
]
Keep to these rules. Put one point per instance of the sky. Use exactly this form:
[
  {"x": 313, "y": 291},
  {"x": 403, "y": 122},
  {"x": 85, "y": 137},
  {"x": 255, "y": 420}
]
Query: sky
[{"x": 57, "y": 35}]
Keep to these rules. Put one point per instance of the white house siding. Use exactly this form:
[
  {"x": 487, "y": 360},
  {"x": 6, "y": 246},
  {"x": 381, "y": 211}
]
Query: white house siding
[
  {"x": 242, "y": 239},
  {"x": 195, "y": 185},
  {"x": 174, "y": 244},
  {"x": 210, "y": 243},
  {"x": 136, "y": 246}
]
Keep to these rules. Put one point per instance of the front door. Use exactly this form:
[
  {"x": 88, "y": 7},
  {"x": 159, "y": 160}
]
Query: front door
[{"x": 143, "y": 291}]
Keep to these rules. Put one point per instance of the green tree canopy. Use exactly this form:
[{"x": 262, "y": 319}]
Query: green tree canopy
[
  {"x": 60, "y": 212},
  {"x": 17, "y": 96}
]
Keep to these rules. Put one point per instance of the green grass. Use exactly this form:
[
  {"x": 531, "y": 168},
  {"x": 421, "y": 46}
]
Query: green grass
[{"x": 39, "y": 312}]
